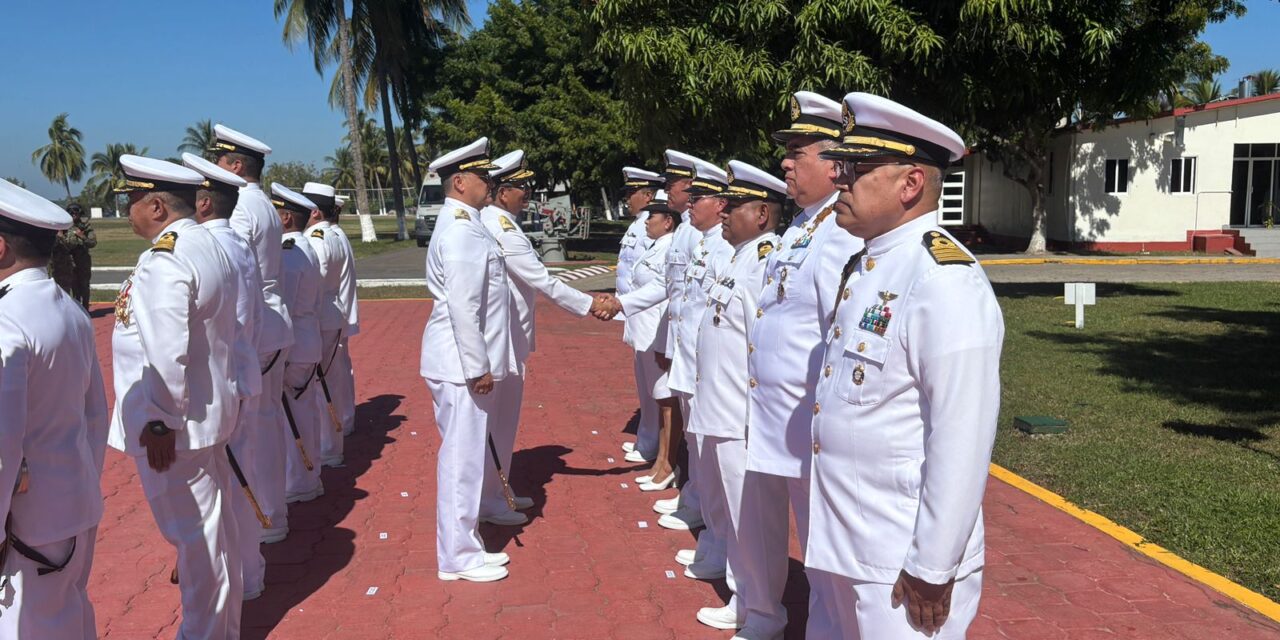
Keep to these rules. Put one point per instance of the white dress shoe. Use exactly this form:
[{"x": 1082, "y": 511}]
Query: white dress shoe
[
  {"x": 687, "y": 557},
  {"x": 628, "y": 447},
  {"x": 704, "y": 571},
  {"x": 644, "y": 479},
  {"x": 667, "y": 505},
  {"x": 719, "y": 618},
  {"x": 522, "y": 502},
  {"x": 483, "y": 573},
  {"x": 666, "y": 483},
  {"x": 509, "y": 518},
  {"x": 681, "y": 520},
  {"x": 635, "y": 456},
  {"x": 498, "y": 559}
]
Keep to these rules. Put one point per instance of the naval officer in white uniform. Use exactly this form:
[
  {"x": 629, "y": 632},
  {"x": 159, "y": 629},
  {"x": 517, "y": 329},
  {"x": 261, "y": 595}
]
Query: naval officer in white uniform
[
  {"x": 342, "y": 384},
  {"x": 639, "y": 187},
  {"x": 527, "y": 277},
  {"x": 331, "y": 254},
  {"x": 215, "y": 201},
  {"x": 906, "y": 408},
  {"x": 53, "y": 431},
  {"x": 719, "y": 407},
  {"x": 800, "y": 280},
  {"x": 176, "y": 392},
  {"x": 256, "y": 221},
  {"x": 466, "y": 351}
]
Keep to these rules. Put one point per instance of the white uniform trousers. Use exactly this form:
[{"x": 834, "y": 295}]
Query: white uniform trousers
[
  {"x": 689, "y": 499},
  {"x": 330, "y": 438},
  {"x": 763, "y": 535},
  {"x": 247, "y": 533},
  {"x": 342, "y": 385},
  {"x": 508, "y": 395},
  {"x": 724, "y": 468},
  {"x": 54, "y": 605},
  {"x": 866, "y": 610},
  {"x": 646, "y": 373},
  {"x": 268, "y": 481},
  {"x": 311, "y": 418},
  {"x": 191, "y": 510},
  {"x": 463, "y": 420}
]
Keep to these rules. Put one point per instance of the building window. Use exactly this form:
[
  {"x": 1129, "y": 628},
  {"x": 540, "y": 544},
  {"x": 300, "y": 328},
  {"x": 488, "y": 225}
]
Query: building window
[
  {"x": 1117, "y": 178},
  {"x": 1182, "y": 175}
]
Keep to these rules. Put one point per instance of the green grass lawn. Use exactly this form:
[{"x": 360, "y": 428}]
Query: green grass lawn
[
  {"x": 118, "y": 246},
  {"x": 1171, "y": 392}
]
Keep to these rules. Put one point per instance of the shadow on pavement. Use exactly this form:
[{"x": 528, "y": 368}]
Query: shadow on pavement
[{"x": 317, "y": 548}]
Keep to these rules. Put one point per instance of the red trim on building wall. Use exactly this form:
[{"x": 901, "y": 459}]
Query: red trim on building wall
[{"x": 1020, "y": 243}]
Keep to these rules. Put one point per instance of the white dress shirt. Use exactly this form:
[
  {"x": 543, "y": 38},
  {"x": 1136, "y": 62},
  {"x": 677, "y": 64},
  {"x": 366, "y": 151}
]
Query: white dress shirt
[
  {"x": 249, "y": 303},
  {"x": 800, "y": 281},
  {"x": 645, "y": 305},
  {"x": 469, "y": 331},
  {"x": 54, "y": 412},
  {"x": 682, "y": 350},
  {"x": 256, "y": 220},
  {"x": 301, "y": 286},
  {"x": 528, "y": 276},
  {"x": 720, "y": 402},
  {"x": 173, "y": 344},
  {"x": 905, "y": 415}
]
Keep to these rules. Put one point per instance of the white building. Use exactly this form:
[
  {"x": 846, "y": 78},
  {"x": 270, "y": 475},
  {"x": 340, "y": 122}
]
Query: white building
[{"x": 1140, "y": 185}]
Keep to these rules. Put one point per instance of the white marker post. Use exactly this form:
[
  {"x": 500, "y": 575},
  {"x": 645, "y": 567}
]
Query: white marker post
[{"x": 1080, "y": 294}]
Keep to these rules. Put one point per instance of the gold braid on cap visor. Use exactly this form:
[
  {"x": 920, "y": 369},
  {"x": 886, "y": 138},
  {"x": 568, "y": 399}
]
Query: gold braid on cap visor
[
  {"x": 876, "y": 143},
  {"x": 801, "y": 128},
  {"x": 739, "y": 190}
]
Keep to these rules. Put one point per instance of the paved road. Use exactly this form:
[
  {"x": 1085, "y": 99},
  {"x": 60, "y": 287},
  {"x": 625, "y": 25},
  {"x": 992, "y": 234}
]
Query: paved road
[{"x": 359, "y": 562}]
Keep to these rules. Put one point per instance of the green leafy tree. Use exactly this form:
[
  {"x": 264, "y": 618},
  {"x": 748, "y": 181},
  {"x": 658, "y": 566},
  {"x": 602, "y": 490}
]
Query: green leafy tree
[
  {"x": 1006, "y": 73},
  {"x": 1266, "y": 81},
  {"x": 532, "y": 79},
  {"x": 16, "y": 182},
  {"x": 340, "y": 171},
  {"x": 105, "y": 166},
  {"x": 198, "y": 138},
  {"x": 1202, "y": 91},
  {"x": 62, "y": 160},
  {"x": 290, "y": 174}
]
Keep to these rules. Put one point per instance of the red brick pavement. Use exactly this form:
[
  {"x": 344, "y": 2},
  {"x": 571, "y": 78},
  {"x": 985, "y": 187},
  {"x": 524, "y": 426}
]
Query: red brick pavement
[{"x": 583, "y": 568}]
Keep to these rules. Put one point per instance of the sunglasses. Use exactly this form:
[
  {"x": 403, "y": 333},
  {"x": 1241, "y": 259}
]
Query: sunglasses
[{"x": 848, "y": 171}]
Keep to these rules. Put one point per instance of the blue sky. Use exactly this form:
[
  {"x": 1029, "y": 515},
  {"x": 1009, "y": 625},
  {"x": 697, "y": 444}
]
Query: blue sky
[{"x": 141, "y": 71}]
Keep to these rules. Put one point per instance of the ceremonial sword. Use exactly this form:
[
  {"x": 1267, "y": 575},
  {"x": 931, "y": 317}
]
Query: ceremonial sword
[
  {"x": 244, "y": 484},
  {"x": 293, "y": 427}
]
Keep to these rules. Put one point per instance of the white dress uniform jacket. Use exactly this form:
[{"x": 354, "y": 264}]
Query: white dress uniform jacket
[
  {"x": 249, "y": 304},
  {"x": 469, "y": 331},
  {"x": 527, "y": 277},
  {"x": 301, "y": 286},
  {"x": 683, "y": 240},
  {"x": 710, "y": 247},
  {"x": 634, "y": 244},
  {"x": 55, "y": 411},
  {"x": 347, "y": 281},
  {"x": 328, "y": 258},
  {"x": 719, "y": 406},
  {"x": 906, "y": 413},
  {"x": 801, "y": 279},
  {"x": 256, "y": 220},
  {"x": 174, "y": 335},
  {"x": 646, "y": 304}
]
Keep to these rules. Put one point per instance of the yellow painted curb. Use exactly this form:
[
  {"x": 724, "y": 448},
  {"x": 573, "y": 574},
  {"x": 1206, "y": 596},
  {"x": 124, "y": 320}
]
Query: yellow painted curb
[
  {"x": 1239, "y": 593},
  {"x": 1127, "y": 261}
]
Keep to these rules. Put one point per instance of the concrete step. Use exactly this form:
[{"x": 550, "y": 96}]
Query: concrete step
[{"x": 1263, "y": 242}]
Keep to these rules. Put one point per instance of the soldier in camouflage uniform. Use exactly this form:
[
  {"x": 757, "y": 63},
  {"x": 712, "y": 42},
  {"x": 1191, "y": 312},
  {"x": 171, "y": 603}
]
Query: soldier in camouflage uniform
[
  {"x": 62, "y": 262},
  {"x": 83, "y": 239}
]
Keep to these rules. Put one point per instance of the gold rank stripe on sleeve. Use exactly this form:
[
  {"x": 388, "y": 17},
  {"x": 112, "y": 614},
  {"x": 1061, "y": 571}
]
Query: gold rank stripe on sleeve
[
  {"x": 166, "y": 242},
  {"x": 944, "y": 251},
  {"x": 318, "y": 233}
]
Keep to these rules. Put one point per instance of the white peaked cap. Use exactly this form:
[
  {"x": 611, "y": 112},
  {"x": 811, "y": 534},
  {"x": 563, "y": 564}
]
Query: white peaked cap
[
  {"x": 286, "y": 197},
  {"x": 708, "y": 179},
  {"x": 149, "y": 174},
  {"x": 21, "y": 205},
  {"x": 511, "y": 168},
  {"x": 227, "y": 139},
  {"x": 812, "y": 114},
  {"x": 213, "y": 172},
  {"x": 319, "y": 189},
  {"x": 679, "y": 164},
  {"x": 472, "y": 157},
  {"x": 638, "y": 178},
  {"x": 748, "y": 182},
  {"x": 878, "y": 126}
]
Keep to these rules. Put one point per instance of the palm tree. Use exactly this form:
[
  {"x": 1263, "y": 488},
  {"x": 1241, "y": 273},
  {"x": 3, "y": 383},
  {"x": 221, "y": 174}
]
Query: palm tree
[
  {"x": 341, "y": 170},
  {"x": 16, "y": 182},
  {"x": 62, "y": 160},
  {"x": 322, "y": 23},
  {"x": 198, "y": 138},
  {"x": 1202, "y": 91},
  {"x": 105, "y": 166},
  {"x": 1266, "y": 81}
]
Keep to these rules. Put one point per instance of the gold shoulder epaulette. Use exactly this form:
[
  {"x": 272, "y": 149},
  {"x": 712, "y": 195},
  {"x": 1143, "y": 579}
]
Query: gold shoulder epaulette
[
  {"x": 943, "y": 250},
  {"x": 166, "y": 242},
  {"x": 506, "y": 224},
  {"x": 318, "y": 233},
  {"x": 461, "y": 215},
  {"x": 763, "y": 249},
  {"x": 287, "y": 244}
]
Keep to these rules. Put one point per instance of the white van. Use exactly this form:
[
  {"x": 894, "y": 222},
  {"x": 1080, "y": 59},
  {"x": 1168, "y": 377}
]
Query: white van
[{"x": 430, "y": 201}]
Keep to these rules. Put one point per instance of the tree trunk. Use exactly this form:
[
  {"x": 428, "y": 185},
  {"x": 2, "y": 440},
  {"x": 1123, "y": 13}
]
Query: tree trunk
[
  {"x": 1036, "y": 245},
  {"x": 408, "y": 126},
  {"x": 393, "y": 160},
  {"x": 349, "y": 105}
]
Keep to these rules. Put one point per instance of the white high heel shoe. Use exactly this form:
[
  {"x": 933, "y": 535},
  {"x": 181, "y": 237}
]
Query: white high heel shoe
[{"x": 666, "y": 482}]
